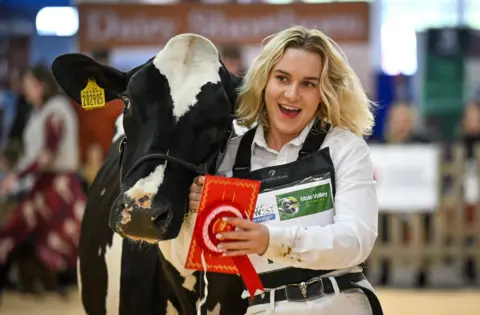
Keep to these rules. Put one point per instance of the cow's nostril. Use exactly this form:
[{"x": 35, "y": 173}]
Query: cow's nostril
[{"x": 161, "y": 218}]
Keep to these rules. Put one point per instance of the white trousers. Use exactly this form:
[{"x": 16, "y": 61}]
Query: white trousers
[{"x": 351, "y": 302}]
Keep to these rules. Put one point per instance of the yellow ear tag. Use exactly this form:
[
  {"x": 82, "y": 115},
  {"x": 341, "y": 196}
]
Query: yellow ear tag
[{"x": 93, "y": 96}]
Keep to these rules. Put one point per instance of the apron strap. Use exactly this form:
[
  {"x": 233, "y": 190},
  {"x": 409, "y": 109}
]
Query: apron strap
[
  {"x": 241, "y": 168},
  {"x": 312, "y": 144},
  {"x": 314, "y": 139}
]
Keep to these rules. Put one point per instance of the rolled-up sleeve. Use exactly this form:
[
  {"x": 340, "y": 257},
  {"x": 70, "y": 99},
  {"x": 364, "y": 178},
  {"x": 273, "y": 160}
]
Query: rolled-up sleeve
[{"x": 346, "y": 242}]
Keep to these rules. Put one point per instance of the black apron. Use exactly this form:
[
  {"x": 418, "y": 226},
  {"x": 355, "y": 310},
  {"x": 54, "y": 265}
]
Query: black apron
[{"x": 311, "y": 162}]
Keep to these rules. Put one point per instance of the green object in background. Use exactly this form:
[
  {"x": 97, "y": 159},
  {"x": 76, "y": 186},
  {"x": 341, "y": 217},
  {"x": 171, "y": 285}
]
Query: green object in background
[
  {"x": 443, "y": 86},
  {"x": 444, "y": 78}
]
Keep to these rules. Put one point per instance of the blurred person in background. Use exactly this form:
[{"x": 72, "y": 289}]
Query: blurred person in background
[
  {"x": 102, "y": 56},
  {"x": 49, "y": 217},
  {"x": 400, "y": 126},
  {"x": 15, "y": 145},
  {"x": 232, "y": 59},
  {"x": 96, "y": 128},
  {"x": 5, "y": 103},
  {"x": 470, "y": 138},
  {"x": 470, "y": 127}
]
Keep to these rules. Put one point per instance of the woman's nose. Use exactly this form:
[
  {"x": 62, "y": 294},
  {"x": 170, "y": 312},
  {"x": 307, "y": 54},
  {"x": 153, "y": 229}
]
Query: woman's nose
[{"x": 291, "y": 93}]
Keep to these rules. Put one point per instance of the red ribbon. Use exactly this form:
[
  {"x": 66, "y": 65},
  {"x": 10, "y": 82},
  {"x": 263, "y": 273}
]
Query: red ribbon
[{"x": 211, "y": 223}]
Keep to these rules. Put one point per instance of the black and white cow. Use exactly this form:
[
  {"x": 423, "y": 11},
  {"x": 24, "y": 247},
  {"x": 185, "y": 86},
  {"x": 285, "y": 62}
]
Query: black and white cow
[{"x": 177, "y": 118}]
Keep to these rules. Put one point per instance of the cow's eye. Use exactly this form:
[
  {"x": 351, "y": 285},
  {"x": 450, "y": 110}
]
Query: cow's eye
[{"x": 126, "y": 101}]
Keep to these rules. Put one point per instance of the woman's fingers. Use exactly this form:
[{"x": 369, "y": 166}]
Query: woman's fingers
[{"x": 196, "y": 192}]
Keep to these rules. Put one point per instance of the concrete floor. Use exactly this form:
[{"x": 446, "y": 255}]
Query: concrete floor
[{"x": 395, "y": 302}]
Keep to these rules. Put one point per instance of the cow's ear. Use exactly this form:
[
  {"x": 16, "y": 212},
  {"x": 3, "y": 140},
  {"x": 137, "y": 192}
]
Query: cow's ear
[
  {"x": 236, "y": 83},
  {"x": 231, "y": 84},
  {"x": 72, "y": 72}
]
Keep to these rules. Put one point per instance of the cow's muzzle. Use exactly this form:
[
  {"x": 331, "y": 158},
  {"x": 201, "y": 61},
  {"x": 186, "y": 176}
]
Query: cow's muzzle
[{"x": 136, "y": 219}]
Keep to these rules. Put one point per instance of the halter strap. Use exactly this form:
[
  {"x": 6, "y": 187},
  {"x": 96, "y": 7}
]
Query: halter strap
[{"x": 201, "y": 169}]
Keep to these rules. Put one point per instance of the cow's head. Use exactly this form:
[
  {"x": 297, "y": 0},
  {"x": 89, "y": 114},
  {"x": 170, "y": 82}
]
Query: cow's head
[{"x": 178, "y": 115}]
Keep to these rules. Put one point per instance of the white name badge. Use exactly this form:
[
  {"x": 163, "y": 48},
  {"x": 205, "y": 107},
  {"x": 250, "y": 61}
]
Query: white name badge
[{"x": 308, "y": 204}]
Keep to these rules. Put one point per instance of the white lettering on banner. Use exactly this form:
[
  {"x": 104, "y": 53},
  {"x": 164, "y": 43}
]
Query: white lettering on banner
[
  {"x": 407, "y": 177},
  {"x": 210, "y": 23},
  {"x": 104, "y": 25}
]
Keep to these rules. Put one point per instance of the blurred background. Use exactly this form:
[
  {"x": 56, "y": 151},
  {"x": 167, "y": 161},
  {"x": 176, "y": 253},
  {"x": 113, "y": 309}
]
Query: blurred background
[{"x": 418, "y": 60}]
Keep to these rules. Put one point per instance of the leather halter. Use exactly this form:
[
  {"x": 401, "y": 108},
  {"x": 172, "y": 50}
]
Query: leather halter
[{"x": 201, "y": 169}]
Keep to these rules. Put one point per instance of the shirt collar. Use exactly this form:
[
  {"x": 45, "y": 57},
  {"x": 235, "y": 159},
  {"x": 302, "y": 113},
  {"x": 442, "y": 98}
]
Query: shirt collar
[{"x": 259, "y": 137}]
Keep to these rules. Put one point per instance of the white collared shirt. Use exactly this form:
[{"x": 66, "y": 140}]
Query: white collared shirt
[{"x": 347, "y": 242}]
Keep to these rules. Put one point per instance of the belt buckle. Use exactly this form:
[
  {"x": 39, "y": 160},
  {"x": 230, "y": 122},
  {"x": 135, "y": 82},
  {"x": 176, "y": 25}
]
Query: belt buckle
[
  {"x": 303, "y": 286},
  {"x": 303, "y": 289}
]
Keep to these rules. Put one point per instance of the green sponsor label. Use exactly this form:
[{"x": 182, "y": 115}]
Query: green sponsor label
[{"x": 304, "y": 202}]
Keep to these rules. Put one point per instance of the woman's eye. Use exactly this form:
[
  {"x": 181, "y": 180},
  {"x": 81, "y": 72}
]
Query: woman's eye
[
  {"x": 282, "y": 78},
  {"x": 309, "y": 84}
]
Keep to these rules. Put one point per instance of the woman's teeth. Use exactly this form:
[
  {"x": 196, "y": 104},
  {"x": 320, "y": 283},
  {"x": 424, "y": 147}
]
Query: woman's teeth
[{"x": 289, "y": 108}]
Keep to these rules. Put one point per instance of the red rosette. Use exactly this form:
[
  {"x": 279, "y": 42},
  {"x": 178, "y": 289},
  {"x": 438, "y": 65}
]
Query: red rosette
[{"x": 210, "y": 223}]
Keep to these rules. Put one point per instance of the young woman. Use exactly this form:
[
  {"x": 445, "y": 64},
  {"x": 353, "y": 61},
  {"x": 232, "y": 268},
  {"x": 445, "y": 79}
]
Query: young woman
[
  {"x": 308, "y": 246},
  {"x": 51, "y": 213}
]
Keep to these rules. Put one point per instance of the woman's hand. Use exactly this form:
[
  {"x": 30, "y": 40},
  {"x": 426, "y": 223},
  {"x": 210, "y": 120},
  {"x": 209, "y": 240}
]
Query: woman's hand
[
  {"x": 8, "y": 183},
  {"x": 249, "y": 238},
  {"x": 196, "y": 192}
]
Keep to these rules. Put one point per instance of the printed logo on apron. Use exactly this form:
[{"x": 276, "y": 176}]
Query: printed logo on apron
[
  {"x": 307, "y": 204},
  {"x": 303, "y": 202}
]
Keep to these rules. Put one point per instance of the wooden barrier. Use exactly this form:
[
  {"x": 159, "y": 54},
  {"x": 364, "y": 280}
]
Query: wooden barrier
[{"x": 440, "y": 248}]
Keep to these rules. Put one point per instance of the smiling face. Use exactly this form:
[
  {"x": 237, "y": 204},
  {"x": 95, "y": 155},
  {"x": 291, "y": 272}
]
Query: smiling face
[
  {"x": 292, "y": 94},
  {"x": 304, "y": 70}
]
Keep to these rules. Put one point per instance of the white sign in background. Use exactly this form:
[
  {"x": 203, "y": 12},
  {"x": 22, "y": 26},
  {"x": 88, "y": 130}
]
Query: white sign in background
[
  {"x": 407, "y": 177},
  {"x": 472, "y": 187}
]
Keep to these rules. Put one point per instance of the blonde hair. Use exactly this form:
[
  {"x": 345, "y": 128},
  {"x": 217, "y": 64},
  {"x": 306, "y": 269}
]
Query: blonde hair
[{"x": 344, "y": 103}]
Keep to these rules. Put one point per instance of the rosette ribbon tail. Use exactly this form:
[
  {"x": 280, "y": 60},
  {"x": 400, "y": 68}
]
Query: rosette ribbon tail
[
  {"x": 211, "y": 220},
  {"x": 249, "y": 275}
]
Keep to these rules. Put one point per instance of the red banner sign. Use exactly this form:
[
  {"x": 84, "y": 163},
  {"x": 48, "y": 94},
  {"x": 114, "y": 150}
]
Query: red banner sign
[{"x": 133, "y": 25}]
